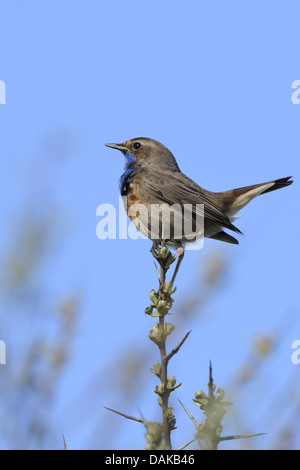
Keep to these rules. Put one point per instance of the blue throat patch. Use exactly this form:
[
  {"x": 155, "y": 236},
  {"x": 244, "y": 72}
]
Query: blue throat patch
[{"x": 127, "y": 175}]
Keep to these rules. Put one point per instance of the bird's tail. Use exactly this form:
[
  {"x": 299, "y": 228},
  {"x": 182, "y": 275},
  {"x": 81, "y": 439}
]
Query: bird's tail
[{"x": 236, "y": 199}]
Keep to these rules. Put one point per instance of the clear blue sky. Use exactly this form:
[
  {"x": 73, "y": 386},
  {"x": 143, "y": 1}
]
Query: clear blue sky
[{"x": 212, "y": 81}]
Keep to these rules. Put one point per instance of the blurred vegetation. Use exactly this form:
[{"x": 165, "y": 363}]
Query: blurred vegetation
[{"x": 38, "y": 328}]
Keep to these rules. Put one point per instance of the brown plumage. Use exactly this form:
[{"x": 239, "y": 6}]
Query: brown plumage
[{"x": 152, "y": 176}]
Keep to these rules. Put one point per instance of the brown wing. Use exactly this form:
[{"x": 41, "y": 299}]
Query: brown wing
[{"x": 176, "y": 188}]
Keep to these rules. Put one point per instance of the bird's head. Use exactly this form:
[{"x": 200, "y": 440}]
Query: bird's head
[{"x": 146, "y": 152}]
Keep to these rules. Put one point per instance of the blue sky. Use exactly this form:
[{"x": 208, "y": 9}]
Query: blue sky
[{"x": 212, "y": 80}]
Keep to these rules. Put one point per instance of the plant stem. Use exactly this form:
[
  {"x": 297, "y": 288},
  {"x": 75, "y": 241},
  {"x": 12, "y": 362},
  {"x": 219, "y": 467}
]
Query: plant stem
[
  {"x": 162, "y": 302},
  {"x": 165, "y": 395},
  {"x": 164, "y": 366}
]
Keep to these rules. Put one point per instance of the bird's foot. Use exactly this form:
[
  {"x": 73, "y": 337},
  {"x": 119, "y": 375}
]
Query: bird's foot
[{"x": 162, "y": 254}]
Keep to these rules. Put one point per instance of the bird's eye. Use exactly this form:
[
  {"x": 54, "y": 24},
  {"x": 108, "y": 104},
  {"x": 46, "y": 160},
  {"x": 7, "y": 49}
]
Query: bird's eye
[{"x": 137, "y": 145}]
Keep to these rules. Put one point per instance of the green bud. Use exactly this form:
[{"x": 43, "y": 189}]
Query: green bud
[
  {"x": 220, "y": 394},
  {"x": 171, "y": 382},
  {"x": 153, "y": 434},
  {"x": 155, "y": 314},
  {"x": 153, "y": 297},
  {"x": 200, "y": 399},
  {"x": 149, "y": 310},
  {"x": 164, "y": 252},
  {"x": 168, "y": 328},
  {"x": 162, "y": 307},
  {"x": 169, "y": 413},
  {"x": 158, "y": 334},
  {"x": 155, "y": 334},
  {"x": 159, "y": 389},
  {"x": 156, "y": 369}
]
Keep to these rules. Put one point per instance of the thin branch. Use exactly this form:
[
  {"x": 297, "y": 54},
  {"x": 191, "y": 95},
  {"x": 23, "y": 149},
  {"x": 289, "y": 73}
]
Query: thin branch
[
  {"x": 175, "y": 350},
  {"x": 65, "y": 444},
  {"x": 185, "y": 445},
  {"x": 125, "y": 415},
  {"x": 189, "y": 414},
  {"x": 157, "y": 270},
  {"x": 240, "y": 436}
]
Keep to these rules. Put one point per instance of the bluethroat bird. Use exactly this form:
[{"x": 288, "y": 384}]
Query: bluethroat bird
[{"x": 152, "y": 178}]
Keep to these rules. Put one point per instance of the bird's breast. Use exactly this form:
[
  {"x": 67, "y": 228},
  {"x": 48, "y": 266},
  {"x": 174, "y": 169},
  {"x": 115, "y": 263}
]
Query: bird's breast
[
  {"x": 131, "y": 199},
  {"x": 126, "y": 180}
]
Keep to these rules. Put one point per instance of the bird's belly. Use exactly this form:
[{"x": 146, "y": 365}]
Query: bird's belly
[{"x": 160, "y": 221}]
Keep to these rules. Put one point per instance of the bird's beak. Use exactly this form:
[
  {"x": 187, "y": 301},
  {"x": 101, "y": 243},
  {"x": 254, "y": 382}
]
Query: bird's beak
[{"x": 118, "y": 147}]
